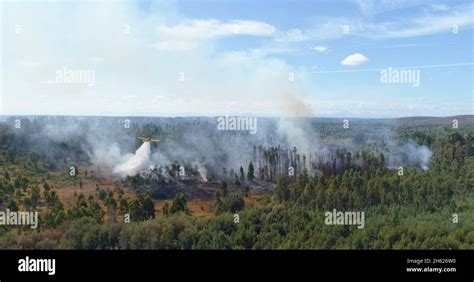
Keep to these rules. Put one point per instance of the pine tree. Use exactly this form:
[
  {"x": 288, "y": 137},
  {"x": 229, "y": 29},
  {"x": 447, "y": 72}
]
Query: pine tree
[
  {"x": 282, "y": 192},
  {"x": 179, "y": 204},
  {"x": 224, "y": 187},
  {"x": 219, "y": 205},
  {"x": 236, "y": 182},
  {"x": 148, "y": 206},
  {"x": 250, "y": 172},
  {"x": 166, "y": 209},
  {"x": 111, "y": 205}
]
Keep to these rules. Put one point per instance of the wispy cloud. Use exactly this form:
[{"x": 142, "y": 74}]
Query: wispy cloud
[
  {"x": 323, "y": 29},
  {"x": 319, "y": 48},
  {"x": 408, "y": 45},
  {"x": 406, "y": 67},
  {"x": 196, "y": 29},
  {"x": 426, "y": 22},
  {"x": 373, "y": 7},
  {"x": 174, "y": 45},
  {"x": 460, "y": 17},
  {"x": 189, "y": 35},
  {"x": 29, "y": 64},
  {"x": 439, "y": 7}
]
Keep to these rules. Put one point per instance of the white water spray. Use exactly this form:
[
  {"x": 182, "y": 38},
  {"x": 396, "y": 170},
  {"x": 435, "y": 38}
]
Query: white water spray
[{"x": 135, "y": 163}]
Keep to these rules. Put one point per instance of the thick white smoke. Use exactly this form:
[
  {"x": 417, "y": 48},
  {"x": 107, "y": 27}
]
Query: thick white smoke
[
  {"x": 294, "y": 124},
  {"x": 406, "y": 153},
  {"x": 135, "y": 163},
  {"x": 417, "y": 154}
]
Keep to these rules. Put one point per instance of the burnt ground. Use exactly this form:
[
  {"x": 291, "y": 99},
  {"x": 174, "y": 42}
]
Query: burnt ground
[{"x": 196, "y": 188}]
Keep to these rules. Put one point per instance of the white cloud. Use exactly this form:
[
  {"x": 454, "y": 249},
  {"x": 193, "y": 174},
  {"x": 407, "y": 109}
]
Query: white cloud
[
  {"x": 175, "y": 45},
  {"x": 28, "y": 64},
  {"x": 319, "y": 49},
  {"x": 272, "y": 49},
  {"x": 439, "y": 7},
  {"x": 204, "y": 29},
  {"x": 293, "y": 35},
  {"x": 372, "y": 7},
  {"x": 323, "y": 29},
  {"x": 354, "y": 60},
  {"x": 96, "y": 59},
  {"x": 193, "y": 33},
  {"x": 252, "y": 28}
]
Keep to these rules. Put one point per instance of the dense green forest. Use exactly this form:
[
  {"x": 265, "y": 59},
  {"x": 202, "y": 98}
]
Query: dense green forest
[{"x": 414, "y": 210}]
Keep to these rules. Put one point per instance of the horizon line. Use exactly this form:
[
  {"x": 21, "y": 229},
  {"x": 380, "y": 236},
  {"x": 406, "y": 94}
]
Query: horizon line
[{"x": 229, "y": 115}]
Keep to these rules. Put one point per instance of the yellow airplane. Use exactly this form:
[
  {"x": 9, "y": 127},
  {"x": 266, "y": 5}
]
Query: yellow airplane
[{"x": 148, "y": 139}]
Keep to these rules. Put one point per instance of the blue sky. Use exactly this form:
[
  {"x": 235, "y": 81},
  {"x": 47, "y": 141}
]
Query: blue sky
[{"x": 236, "y": 57}]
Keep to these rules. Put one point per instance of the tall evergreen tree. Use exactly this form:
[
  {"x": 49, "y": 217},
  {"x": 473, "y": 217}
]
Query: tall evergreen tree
[{"x": 250, "y": 172}]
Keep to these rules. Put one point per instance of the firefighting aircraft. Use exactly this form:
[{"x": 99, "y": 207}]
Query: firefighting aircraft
[{"x": 148, "y": 139}]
